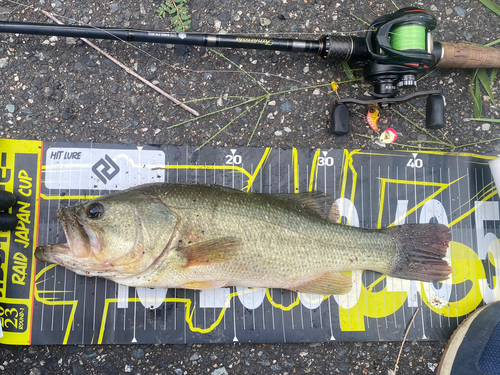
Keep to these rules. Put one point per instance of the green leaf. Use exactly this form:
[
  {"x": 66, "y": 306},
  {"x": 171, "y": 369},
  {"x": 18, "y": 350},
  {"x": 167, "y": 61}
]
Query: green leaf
[
  {"x": 486, "y": 119},
  {"x": 478, "y": 104},
  {"x": 179, "y": 12},
  {"x": 491, "y": 6},
  {"x": 347, "y": 70},
  {"x": 492, "y": 43},
  {"x": 483, "y": 77},
  {"x": 493, "y": 75}
]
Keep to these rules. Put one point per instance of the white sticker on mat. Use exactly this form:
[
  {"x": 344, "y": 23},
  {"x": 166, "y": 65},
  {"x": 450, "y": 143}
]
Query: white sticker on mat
[{"x": 106, "y": 169}]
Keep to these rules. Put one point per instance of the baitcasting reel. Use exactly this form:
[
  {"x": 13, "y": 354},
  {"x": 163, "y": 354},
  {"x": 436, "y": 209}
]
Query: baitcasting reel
[{"x": 399, "y": 47}]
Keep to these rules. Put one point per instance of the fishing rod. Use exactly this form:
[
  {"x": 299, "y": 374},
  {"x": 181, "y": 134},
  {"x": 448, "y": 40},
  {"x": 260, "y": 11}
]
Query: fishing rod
[{"x": 395, "y": 50}]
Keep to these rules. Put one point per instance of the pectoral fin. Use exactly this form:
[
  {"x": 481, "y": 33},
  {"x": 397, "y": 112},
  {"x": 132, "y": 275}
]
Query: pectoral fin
[
  {"x": 220, "y": 250},
  {"x": 329, "y": 283}
]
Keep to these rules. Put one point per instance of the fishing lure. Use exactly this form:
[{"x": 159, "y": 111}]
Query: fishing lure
[
  {"x": 389, "y": 135},
  {"x": 372, "y": 117}
]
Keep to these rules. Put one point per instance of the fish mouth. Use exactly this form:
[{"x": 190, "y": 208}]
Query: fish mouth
[
  {"x": 82, "y": 240},
  {"x": 46, "y": 253}
]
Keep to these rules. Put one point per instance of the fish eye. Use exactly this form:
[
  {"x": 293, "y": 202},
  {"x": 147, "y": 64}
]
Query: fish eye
[{"x": 95, "y": 211}]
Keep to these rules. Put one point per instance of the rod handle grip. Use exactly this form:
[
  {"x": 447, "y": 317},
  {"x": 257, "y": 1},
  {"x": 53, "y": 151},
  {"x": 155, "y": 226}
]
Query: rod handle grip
[{"x": 468, "y": 56}]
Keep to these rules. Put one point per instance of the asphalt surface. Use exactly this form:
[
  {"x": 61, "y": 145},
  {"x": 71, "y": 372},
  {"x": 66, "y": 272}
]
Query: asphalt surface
[{"x": 59, "y": 89}]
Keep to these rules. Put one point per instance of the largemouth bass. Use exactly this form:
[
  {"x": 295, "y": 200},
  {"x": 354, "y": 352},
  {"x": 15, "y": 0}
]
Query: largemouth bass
[{"x": 200, "y": 237}]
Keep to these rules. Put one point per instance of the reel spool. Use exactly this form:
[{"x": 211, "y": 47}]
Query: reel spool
[
  {"x": 400, "y": 47},
  {"x": 408, "y": 37}
]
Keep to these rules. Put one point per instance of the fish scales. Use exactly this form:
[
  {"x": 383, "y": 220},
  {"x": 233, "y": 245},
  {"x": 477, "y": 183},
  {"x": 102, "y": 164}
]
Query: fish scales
[{"x": 278, "y": 245}]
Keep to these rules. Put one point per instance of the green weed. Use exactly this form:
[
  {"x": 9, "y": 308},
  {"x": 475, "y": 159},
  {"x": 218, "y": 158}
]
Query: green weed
[{"x": 178, "y": 9}]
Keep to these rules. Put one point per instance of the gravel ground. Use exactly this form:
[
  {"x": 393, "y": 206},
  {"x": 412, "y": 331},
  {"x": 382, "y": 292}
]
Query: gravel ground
[
  {"x": 347, "y": 358},
  {"x": 60, "y": 89}
]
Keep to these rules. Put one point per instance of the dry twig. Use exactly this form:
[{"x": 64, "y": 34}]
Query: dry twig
[{"x": 404, "y": 340}]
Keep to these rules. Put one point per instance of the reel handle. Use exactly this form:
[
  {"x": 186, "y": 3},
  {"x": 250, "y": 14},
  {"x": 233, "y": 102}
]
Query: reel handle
[{"x": 434, "y": 111}]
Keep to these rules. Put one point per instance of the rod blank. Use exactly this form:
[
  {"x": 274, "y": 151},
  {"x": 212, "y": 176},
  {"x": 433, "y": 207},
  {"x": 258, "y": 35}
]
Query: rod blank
[{"x": 133, "y": 35}]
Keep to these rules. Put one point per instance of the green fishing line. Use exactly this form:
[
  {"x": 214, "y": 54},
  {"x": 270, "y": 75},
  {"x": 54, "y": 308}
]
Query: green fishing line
[{"x": 408, "y": 37}]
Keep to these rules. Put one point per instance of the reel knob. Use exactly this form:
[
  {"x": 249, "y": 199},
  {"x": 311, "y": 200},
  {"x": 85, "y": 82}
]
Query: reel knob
[
  {"x": 434, "y": 112},
  {"x": 340, "y": 119}
]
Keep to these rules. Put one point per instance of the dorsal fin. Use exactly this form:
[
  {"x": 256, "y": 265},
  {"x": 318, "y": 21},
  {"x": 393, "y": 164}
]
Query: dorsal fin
[
  {"x": 318, "y": 203},
  {"x": 334, "y": 214}
]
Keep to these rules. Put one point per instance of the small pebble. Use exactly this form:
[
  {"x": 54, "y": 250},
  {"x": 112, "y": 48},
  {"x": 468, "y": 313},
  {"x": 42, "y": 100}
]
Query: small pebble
[
  {"x": 432, "y": 366},
  {"x": 220, "y": 371},
  {"x": 460, "y": 11},
  {"x": 275, "y": 367},
  {"x": 265, "y": 21},
  {"x": 467, "y": 35},
  {"x": 485, "y": 127},
  {"x": 138, "y": 353},
  {"x": 286, "y": 107}
]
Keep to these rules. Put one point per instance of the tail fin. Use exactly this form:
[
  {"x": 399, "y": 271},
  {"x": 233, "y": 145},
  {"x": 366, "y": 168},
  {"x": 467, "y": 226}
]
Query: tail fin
[{"x": 420, "y": 252}]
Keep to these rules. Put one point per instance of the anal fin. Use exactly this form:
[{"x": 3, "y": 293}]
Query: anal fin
[
  {"x": 220, "y": 250},
  {"x": 201, "y": 285},
  {"x": 329, "y": 283}
]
